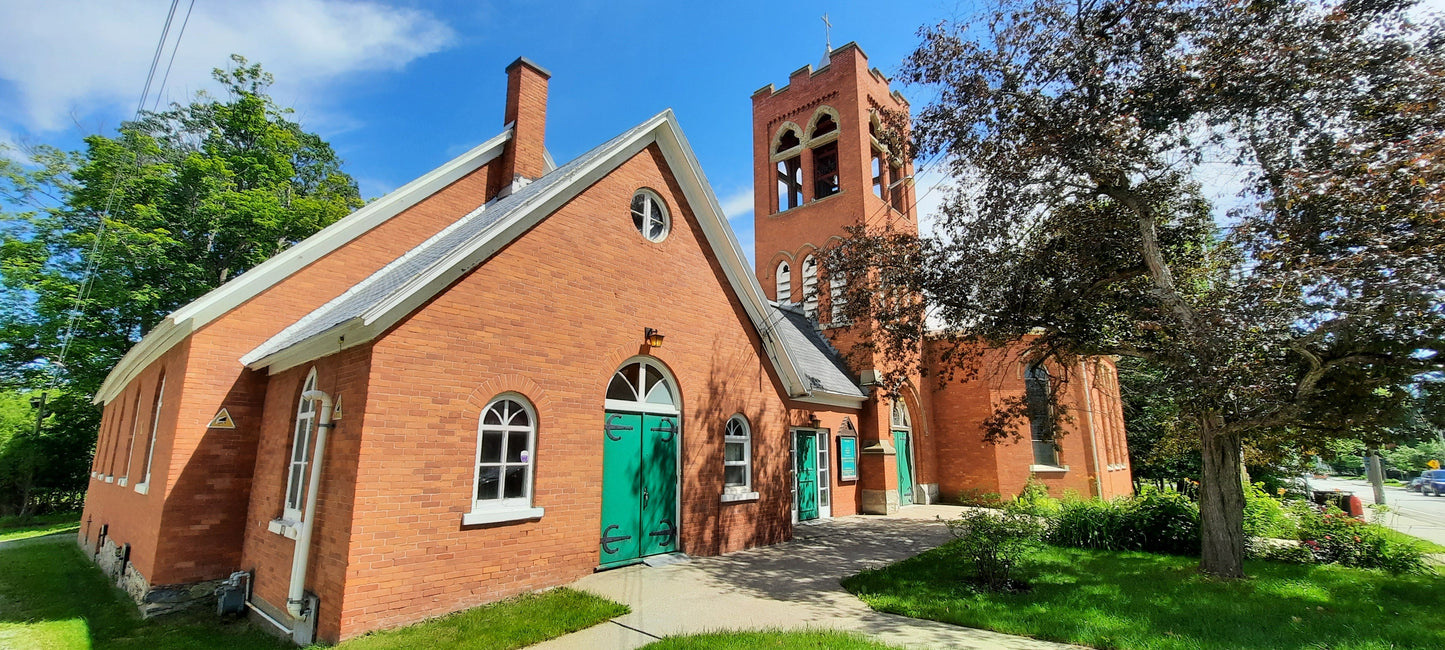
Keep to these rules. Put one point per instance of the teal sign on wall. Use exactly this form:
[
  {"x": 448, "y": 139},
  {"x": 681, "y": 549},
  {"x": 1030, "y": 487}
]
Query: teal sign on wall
[{"x": 847, "y": 458}]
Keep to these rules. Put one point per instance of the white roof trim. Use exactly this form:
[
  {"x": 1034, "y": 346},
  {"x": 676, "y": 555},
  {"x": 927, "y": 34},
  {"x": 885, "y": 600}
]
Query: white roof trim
[
  {"x": 662, "y": 130},
  {"x": 253, "y": 282}
]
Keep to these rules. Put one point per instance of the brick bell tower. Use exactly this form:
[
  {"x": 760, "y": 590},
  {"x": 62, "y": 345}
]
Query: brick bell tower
[{"x": 820, "y": 167}]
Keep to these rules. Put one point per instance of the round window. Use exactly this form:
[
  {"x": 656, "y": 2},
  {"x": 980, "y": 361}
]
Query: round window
[{"x": 650, "y": 216}]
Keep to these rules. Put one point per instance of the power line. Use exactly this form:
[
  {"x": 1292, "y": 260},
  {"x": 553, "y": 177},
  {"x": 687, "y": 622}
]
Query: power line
[{"x": 93, "y": 259}]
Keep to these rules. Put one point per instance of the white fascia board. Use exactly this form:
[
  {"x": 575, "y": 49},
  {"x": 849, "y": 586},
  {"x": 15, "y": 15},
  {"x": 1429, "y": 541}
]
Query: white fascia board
[
  {"x": 160, "y": 339},
  {"x": 724, "y": 243},
  {"x": 447, "y": 270},
  {"x": 248, "y": 285}
]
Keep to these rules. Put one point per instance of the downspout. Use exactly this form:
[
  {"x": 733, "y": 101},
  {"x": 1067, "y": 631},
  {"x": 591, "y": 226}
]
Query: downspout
[
  {"x": 1093, "y": 441},
  {"x": 295, "y": 598}
]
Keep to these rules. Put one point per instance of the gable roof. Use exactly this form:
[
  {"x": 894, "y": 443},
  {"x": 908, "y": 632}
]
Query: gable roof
[
  {"x": 819, "y": 363},
  {"x": 182, "y": 322},
  {"x": 393, "y": 292}
]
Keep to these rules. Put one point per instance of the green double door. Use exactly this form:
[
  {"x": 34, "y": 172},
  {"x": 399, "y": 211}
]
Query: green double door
[
  {"x": 905, "y": 473},
  {"x": 639, "y": 486}
]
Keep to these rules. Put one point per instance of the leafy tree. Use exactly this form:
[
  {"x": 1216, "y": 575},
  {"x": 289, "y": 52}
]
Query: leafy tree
[
  {"x": 178, "y": 202},
  {"x": 1076, "y": 128}
]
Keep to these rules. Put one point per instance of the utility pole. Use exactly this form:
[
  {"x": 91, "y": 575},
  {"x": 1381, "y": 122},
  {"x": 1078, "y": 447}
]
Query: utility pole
[
  {"x": 39, "y": 404},
  {"x": 1377, "y": 476}
]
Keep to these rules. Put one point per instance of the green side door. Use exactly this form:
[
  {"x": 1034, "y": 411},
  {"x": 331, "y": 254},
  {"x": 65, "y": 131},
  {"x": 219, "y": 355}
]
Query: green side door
[
  {"x": 659, "y": 484},
  {"x": 905, "y": 476},
  {"x": 806, "y": 459},
  {"x": 621, "y": 488}
]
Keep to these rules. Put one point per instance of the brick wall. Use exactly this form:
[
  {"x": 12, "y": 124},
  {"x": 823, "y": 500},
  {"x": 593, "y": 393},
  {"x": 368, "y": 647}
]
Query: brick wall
[{"x": 551, "y": 317}]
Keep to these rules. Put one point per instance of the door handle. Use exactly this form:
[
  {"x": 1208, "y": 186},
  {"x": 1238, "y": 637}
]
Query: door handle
[{"x": 644, "y": 498}]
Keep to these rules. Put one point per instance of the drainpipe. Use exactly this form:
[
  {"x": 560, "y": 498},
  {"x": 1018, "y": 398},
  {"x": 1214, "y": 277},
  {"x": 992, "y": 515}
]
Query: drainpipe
[
  {"x": 1093, "y": 442},
  {"x": 295, "y": 598}
]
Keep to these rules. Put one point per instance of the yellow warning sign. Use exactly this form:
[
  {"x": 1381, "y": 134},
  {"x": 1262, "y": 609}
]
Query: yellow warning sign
[
  {"x": 222, "y": 420},
  {"x": 336, "y": 409}
]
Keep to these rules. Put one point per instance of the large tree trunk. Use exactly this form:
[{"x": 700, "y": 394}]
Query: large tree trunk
[{"x": 1221, "y": 502}]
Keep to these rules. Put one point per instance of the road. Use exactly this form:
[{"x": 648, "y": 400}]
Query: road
[{"x": 1412, "y": 513}]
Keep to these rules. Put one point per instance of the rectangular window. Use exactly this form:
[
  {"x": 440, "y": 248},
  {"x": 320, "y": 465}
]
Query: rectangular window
[
  {"x": 897, "y": 196},
  {"x": 837, "y": 285},
  {"x": 155, "y": 427},
  {"x": 1037, "y": 390},
  {"x": 825, "y": 170},
  {"x": 880, "y": 183},
  {"x": 130, "y": 449},
  {"x": 790, "y": 183}
]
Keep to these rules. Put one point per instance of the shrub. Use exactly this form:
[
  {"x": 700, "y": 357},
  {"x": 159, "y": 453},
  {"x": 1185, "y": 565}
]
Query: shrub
[
  {"x": 1154, "y": 521},
  {"x": 1265, "y": 516},
  {"x": 1334, "y": 537},
  {"x": 1034, "y": 500},
  {"x": 978, "y": 498},
  {"x": 995, "y": 542}
]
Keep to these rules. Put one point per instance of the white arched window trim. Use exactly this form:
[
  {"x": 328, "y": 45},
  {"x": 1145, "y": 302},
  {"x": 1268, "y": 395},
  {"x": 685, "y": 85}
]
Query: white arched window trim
[
  {"x": 784, "y": 277},
  {"x": 514, "y": 415},
  {"x": 650, "y": 216},
  {"x": 738, "y": 460},
  {"x": 297, "y": 469},
  {"x": 643, "y": 400}
]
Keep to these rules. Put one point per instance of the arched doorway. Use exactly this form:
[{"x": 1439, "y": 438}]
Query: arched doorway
[
  {"x": 642, "y": 429},
  {"x": 902, "y": 426}
]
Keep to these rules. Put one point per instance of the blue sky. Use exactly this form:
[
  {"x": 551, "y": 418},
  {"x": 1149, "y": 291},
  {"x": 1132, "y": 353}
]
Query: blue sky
[{"x": 400, "y": 87}]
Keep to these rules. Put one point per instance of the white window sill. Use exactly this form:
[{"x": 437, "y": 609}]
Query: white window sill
[
  {"x": 95, "y": 475},
  {"x": 285, "y": 528},
  {"x": 1048, "y": 468},
  {"x": 734, "y": 497},
  {"x": 110, "y": 479},
  {"x": 498, "y": 516},
  {"x": 143, "y": 488},
  {"x": 1120, "y": 466}
]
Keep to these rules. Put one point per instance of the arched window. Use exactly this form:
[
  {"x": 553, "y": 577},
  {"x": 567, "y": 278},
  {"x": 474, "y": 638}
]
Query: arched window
[
  {"x": 810, "y": 286},
  {"x": 506, "y": 455},
  {"x": 900, "y": 418},
  {"x": 823, "y": 139},
  {"x": 301, "y": 436},
  {"x": 649, "y": 215},
  {"x": 642, "y": 386},
  {"x": 823, "y": 125},
  {"x": 787, "y": 154},
  {"x": 1037, "y": 391},
  {"x": 785, "y": 282},
  {"x": 737, "y": 456}
]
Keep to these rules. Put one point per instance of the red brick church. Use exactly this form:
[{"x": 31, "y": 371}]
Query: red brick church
[{"x": 508, "y": 374}]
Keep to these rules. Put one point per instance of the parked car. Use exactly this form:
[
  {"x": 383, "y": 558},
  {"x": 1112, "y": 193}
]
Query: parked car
[
  {"x": 1415, "y": 484},
  {"x": 1434, "y": 483}
]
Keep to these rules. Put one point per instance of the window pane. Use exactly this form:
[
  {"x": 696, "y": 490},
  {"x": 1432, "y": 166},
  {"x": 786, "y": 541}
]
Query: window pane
[
  {"x": 733, "y": 451},
  {"x": 516, "y": 482},
  {"x": 516, "y": 446},
  {"x": 293, "y": 498},
  {"x": 639, "y": 211},
  {"x": 519, "y": 415},
  {"x": 658, "y": 229},
  {"x": 491, "y": 447},
  {"x": 487, "y": 483},
  {"x": 493, "y": 416},
  {"x": 735, "y": 475},
  {"x": 621, "y": 387}
]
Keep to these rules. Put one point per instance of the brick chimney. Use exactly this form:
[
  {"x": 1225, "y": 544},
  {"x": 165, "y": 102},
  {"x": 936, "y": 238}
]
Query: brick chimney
[{"x": 527, "y": 115}]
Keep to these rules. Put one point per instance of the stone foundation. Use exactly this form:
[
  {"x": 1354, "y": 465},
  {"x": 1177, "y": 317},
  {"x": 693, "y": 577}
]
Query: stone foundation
[
  {"x": 880, "y": 502},
  {"x": 151, "y": 600}
]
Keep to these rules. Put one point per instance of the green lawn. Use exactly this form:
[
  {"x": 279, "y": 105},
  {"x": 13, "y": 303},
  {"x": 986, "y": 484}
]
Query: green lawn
[
  {"x": 1145, "y": 601},
  {"x": 52, "y": 597},
  {"x": 778, "y": 640},
  {"x": 13, "y": 528},
  {"x": 511, "y": 623},
  {"x": 1424, "y": 544}
]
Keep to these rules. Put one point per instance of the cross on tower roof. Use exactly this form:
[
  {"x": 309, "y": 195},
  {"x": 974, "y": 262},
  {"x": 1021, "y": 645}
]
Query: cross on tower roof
[{"x": 827, "y": 33}]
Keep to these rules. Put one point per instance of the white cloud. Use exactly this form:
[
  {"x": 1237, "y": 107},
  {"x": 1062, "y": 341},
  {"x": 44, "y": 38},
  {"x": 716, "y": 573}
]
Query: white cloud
[
  {"x": 81, "y": 57},
  {"x": 738, "y": 203}
]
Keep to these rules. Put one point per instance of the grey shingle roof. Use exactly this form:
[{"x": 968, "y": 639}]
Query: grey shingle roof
[
  {"x": 393, "y": 278},
  {"x": 815, "y": 358}
]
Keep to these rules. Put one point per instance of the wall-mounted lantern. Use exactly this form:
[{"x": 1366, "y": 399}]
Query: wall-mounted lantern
[{"x": 653, "y": 337}]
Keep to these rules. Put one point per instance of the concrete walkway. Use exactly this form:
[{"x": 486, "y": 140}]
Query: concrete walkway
[{"x": 789, "y": 585}]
